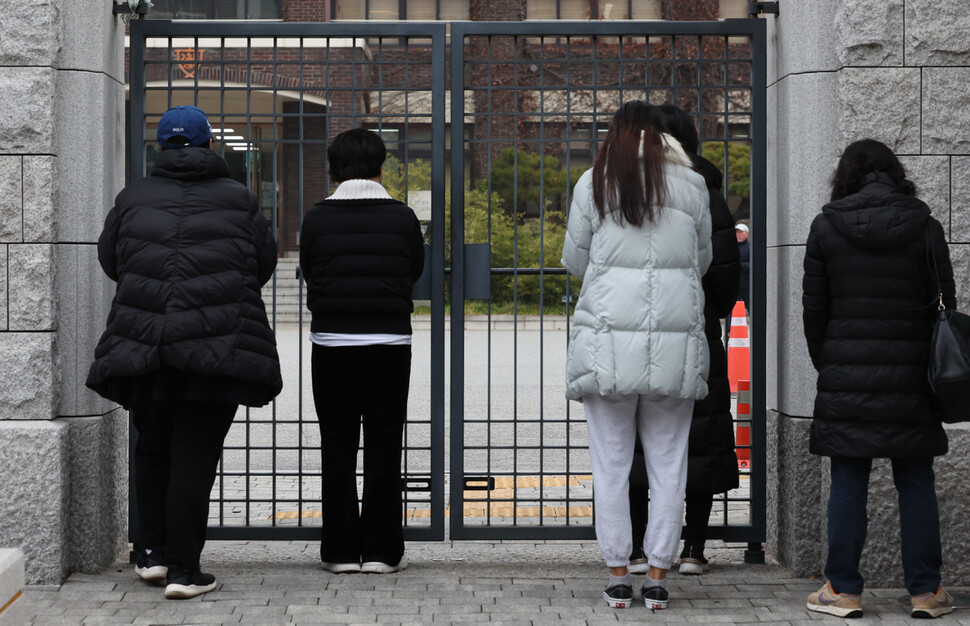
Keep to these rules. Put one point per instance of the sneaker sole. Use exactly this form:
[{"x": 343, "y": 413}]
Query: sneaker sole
[
  {"x": 153, "y": 574},
  {"x": 930, "y": 613},
  {"x": 834, "y": 610},
  {"x": 639, "y": 569},
  {"x": 657, "y": 605},
  {"x": 376, "y": 567},
  {"x": 617, "y": 603},
  {"x": 342, "y": 568},
  {"x": 693, "y": 569},
  {"x": 181, "y": 592}
]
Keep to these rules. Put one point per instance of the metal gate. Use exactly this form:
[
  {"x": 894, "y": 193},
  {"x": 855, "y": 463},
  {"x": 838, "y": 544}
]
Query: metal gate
[
  {"x": 526, "y": 108},
  {"x": 275, "y": 94},
  {"x": 537, "y": 98}
]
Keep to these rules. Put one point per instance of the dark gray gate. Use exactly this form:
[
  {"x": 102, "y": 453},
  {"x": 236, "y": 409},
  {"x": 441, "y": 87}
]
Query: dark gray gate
[
  {"x": 537, "y": 97},
  {"x": 529, "y": 102},
  {"x": 276, "y": 93}
]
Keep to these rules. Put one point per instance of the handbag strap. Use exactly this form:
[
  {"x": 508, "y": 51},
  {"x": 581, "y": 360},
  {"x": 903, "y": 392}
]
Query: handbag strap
[{"x": 934, "y": 267}]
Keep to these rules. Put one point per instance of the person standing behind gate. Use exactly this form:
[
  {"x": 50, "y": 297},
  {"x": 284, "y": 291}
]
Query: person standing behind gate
[
  {"x": 869, "y": 299},
  {"x": 187, "y": 337},
  {"x": 639, "y": 235},
  {"x": 712, "y": 465},
  {"x": 361, "y": 252}
]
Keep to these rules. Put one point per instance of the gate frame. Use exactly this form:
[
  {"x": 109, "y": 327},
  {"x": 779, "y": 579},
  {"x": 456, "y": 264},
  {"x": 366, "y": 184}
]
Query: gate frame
[
  {"x": 140, "y": 31},
  {"x": 755, "y": 30},
  {"x": 752, "y": 28}
]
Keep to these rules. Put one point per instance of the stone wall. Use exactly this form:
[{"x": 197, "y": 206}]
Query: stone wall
[
  {"x": 61, "y": 163},
  {"x": 841, "y": 70}
]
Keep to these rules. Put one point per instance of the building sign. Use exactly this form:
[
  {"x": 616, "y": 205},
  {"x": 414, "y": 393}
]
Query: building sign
[{"x": 187, "y": 60}]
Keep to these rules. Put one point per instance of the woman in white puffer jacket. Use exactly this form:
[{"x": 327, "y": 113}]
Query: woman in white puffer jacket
[{"x": 639, "y": 236}]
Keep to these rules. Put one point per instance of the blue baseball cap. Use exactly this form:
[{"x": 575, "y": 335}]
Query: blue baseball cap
[{"x": 184, "y": 121}]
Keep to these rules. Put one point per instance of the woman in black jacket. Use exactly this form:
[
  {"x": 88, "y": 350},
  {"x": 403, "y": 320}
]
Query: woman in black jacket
[
  {"x": 187, "y": 339},
  {"x": 361, "y": 252},
  {"x": 712, "y": 465},
  {"x": 868, "y": 306}
]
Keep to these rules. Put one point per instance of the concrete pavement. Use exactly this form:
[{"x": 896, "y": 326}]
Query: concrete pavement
[{"x": 511, "y": 582}]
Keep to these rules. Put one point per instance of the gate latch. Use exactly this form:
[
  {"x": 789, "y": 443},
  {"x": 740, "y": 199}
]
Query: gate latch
[{"x": 757, "y": 8}]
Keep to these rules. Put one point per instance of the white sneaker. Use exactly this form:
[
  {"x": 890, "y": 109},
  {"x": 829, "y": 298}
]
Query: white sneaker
[
  {"x": 378, "y": 567},
  {"x": 342, "y": 568},
  {"x": 638, "y": 566}
]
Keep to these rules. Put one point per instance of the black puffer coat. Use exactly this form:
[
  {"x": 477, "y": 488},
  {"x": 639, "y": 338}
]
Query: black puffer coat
[
  {"x": 190, "y": 250},
  {"x": 712, "y": 465},
  {"x": 360, "y": 258},
  {"x": 868, "y": 309}
]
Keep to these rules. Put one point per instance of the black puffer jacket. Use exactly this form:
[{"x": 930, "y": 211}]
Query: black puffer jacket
[
  {"x": 360, "y": 258},
  {"x": 868, "y": 310},
  {"x": 190, "y": 250},
  {"x": 712, "y": 465}
]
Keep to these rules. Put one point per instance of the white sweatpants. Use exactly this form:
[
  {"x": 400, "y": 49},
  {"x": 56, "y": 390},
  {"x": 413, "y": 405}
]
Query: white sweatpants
[{"x": 664, "y": 426}]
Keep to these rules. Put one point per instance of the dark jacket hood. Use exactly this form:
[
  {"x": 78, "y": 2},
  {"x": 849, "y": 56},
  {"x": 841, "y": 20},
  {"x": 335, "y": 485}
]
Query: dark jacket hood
[
  {"x": 877, "y": 216},
  {"x": 190, "y": 163},
  {"x": 712, "y": 176}
]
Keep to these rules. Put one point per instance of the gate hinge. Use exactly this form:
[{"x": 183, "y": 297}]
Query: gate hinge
[
  {"x": 757, "y": 8},
  {"x": 131, "y": 7}
]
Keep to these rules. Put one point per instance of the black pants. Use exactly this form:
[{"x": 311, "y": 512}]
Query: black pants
[
  {"x": 919, "y": 520},
  {"x": 698, "y": 505},
  {"x": 179, "y": 444},
  {"x": 354, "y": 385}
]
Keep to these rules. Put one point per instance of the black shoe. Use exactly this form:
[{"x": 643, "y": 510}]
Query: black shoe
[
  {"x": 654, "y": 597},
  {"x": 150, "y": 567},
  {"x": 619, "y": 596},
  {"x": 187, "y": 584},
  {"x": 692, "y": 561}
]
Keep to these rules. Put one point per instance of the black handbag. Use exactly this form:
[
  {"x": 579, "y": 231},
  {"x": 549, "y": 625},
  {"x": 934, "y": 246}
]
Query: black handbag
[{"x": 949, "y": 366}]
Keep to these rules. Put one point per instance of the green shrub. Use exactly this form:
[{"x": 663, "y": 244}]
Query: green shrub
[{"x": 738, "y": 174}]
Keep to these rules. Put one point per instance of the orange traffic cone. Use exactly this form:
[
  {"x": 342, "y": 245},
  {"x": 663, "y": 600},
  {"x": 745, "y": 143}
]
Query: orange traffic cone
[
  {"x": 743, "y": 439},
  {"x": 738, "y": 352}
]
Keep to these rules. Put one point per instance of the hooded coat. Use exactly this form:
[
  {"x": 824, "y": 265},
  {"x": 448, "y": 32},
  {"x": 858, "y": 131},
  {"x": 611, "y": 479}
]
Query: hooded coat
[
  {"x": 189, "y": 249},
  {"x": 869, "y": 304},
  {"x": 639, "y": 321}
]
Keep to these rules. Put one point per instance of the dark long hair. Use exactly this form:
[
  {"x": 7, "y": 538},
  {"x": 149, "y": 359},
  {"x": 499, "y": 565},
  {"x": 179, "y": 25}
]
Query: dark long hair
[
  {"x": 863, "y": 157},
  {"x": 681, "y": 125},
  {"x": 625, "y": 185}
]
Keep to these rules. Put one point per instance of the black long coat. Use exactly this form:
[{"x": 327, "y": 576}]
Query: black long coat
[
  {"x": 189, "y": 249},
  {"x": 869, "y": 301},
  {"x": 712, "y": 465}
]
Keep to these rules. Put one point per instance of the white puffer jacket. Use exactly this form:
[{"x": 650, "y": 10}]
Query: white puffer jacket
[{"x": 639, "y": 321}]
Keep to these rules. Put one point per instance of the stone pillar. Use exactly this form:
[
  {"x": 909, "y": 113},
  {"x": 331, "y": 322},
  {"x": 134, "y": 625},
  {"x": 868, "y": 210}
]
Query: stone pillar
[
  {"x": 842, "y": 70},
  {"x": 64, "y": 460}
]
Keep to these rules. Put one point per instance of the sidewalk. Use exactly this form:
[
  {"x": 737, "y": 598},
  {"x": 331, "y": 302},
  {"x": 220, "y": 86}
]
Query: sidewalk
[{"x": 519, "y": 582}]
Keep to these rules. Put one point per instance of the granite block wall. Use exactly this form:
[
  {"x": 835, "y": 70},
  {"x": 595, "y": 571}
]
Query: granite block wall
[
  {"x": 61, "y": 163},
  {"x": 840, "y": 70}
]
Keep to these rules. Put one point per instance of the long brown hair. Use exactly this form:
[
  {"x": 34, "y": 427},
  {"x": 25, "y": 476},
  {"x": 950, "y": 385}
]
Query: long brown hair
[{"x": 629, "y": 187}]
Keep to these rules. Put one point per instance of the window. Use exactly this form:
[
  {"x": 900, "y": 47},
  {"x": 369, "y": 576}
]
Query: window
[
  {"x": 216, "y": 10},
  {"x": 734, "y": 9},
  {"x": 411, "y": 10}
]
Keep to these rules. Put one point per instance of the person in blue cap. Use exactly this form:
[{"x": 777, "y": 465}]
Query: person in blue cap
[{"x": 187, "y": 338}]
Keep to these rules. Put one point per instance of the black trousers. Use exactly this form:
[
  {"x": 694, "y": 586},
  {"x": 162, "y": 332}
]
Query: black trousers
[
  {"x": 179, "y": 444},
  {"x": 357, "y": 385},
  {"x": 698, "y": 515}
]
